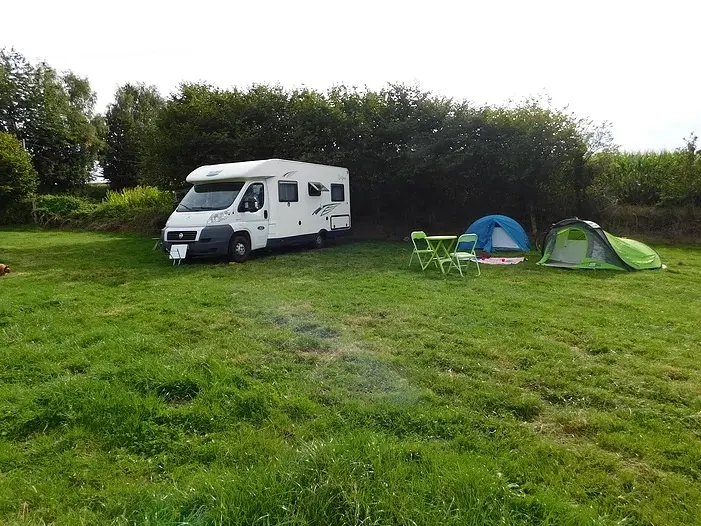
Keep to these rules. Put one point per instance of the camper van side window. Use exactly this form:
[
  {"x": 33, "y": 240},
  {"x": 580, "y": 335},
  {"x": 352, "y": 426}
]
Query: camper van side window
[
  {"x": 338, "y": 192},
  {"x": 314, "y": 189},
  {"x": 254, "y": 198},
  {"x": 287, "y": 191}
]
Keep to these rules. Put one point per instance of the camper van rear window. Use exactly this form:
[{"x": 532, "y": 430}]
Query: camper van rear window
[
  {"x": 338, "y": 192},
  {"x": 287, "y": 191}
]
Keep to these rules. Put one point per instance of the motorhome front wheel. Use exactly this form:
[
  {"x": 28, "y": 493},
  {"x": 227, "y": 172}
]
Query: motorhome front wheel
[{"x": 239, "y": 249}]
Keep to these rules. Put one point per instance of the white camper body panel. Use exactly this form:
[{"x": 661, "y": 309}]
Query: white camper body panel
[
  {"x": 300, "y": 202},
  {"x": 316, "y": 188}
]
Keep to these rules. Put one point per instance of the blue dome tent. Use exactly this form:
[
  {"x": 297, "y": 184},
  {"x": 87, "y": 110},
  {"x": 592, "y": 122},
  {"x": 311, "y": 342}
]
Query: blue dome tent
[{"x": 496, "y": 233}]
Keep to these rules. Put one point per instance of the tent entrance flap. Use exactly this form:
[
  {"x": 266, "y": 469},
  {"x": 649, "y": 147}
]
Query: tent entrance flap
[
  {"x": 571, "y": 246},
  {"x": 502, "y": 240}
]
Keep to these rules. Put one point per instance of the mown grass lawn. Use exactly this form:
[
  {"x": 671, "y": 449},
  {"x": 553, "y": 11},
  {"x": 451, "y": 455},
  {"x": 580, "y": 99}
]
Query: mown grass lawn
[{"x": 340, "y": 387}]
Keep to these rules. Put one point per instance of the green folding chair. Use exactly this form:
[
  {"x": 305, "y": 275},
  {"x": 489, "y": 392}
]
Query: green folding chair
[
  {"x": 458, "y": 257},
  {"x": 418, "y": 252}
]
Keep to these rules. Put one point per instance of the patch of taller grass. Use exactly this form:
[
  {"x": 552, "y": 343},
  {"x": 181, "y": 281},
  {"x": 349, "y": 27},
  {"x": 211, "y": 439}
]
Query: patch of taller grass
[
  {"x": 646, "y": 178},
  {"x": 140, "y": 197},
  {"x": 143, "y": 209}
]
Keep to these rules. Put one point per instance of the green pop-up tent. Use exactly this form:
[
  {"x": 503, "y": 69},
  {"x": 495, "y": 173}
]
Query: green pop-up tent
[{"x": 574, "y": 243}]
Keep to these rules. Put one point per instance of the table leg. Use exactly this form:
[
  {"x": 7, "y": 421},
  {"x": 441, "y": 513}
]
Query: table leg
[
  {"x": 441, "y": 247},
  {"x": 446, "y": 252},
  {"x": 434, "y": 253}
]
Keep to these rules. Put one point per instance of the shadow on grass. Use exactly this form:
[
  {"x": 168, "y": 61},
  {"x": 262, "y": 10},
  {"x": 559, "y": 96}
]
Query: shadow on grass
[
  {"x": 597, "y": 274},
  {"x": 108, "y": 260},
  {"x": 114, "y": 259}
]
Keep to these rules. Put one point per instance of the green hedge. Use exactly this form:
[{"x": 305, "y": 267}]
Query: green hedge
[
  {"x": 141, "y": 210},
  {"x": 60, "y": 206}
]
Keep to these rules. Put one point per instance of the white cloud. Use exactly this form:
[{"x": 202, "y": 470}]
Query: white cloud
[{"x": 633, "y": 63}]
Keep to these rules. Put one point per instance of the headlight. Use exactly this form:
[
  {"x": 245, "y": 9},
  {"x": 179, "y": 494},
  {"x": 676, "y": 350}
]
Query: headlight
[{"x": 218, "y": 217}]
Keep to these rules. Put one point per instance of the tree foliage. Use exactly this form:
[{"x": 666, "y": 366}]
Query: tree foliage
[
  {"x": 415, "y": 158},
  {"x": 54, "y": 115},
  {"x": 129, "y": 121},
  {"x": 18, "y": 179},
  {"x": 413, "y": 155}
]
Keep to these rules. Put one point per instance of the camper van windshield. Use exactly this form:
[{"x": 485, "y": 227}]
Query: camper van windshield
[{"x": 210, "y": 196}]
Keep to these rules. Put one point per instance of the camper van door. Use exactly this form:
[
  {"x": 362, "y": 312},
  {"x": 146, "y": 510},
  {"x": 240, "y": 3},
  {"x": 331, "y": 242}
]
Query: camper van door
[{"x": 253, "y": 210}]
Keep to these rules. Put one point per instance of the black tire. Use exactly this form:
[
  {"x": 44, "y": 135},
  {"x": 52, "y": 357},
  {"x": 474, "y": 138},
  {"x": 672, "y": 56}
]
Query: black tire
[
  {"x": 319, "y": 241},
  {"x": 239, "y": 249}
]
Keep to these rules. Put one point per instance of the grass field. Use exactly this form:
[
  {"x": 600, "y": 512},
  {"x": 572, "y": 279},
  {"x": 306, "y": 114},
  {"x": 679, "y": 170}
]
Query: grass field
[{"x": 340, "y": 387}]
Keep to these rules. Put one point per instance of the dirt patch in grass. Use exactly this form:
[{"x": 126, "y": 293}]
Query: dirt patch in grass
[
  {"x": 563, "y": 430},
  {"x": 672, "y": 373},
  {"x": 324, "y": 354},
  {"x": 316, "y": 329},
  {"x": 300, "y": 320}
]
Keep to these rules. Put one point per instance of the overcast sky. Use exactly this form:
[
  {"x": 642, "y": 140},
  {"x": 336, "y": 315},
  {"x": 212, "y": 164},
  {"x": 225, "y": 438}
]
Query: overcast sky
[{"x": 636, "y": 64}]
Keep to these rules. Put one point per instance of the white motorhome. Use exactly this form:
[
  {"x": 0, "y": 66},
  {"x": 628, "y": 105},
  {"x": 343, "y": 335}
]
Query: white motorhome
[{"x": 235, "y": 208}]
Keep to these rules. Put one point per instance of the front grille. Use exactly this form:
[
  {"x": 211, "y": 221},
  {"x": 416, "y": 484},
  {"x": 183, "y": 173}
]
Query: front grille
[{"x": 187, "y": 235}]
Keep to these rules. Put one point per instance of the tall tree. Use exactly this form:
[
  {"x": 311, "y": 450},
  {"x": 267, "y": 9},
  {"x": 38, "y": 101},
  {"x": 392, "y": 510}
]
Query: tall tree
[
  {"x": 130, "y": 121},
  {"x": 53, "y": 114},
  {"x": 17, "y": 176}
]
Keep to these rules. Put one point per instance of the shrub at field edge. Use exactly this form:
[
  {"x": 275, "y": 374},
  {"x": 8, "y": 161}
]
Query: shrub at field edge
[{"x": 142, "y": 210}]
